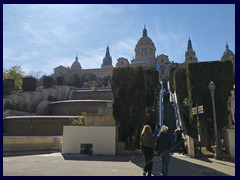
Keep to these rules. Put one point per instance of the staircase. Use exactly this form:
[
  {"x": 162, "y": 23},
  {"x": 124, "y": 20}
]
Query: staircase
[{"x": 169, "y": 118}]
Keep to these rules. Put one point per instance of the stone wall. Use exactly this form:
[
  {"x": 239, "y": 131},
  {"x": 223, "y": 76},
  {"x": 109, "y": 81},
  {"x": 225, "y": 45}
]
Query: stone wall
[
  {"x": 92, "y": 95},
  {"x": 75, "y": 107},
  {"x": 28, "y": 101},
  {"x": 26, "y": 145},
  {"x": 48, "y": 125},
  {"x": 13, "y": 145}
]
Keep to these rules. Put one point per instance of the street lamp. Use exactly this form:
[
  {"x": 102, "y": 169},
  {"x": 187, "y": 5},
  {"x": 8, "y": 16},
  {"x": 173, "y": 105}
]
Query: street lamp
[{"x": 212, "y": 88}]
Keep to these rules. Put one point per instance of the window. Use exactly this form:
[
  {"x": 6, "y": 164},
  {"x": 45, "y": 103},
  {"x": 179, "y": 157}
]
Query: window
[{"x": 144, "y": 51}]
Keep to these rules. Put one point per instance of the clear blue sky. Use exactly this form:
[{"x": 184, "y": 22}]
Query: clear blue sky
[{"x": 42, "y": 37}]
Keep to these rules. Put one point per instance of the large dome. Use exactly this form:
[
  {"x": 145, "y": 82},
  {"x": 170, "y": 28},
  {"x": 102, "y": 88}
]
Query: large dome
[
  {"x": 76, "y": 65},
  {"x": 227, "y": 54},
  {"x": 145, "y": 48},
  {"x": 145, "y": 40}
]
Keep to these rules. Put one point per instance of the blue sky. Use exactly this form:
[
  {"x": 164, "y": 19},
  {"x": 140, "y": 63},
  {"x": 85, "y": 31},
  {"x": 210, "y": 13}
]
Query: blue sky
[{"x": 42, "y": 37}]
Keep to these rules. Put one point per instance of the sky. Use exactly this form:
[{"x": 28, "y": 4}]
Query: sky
[{"x": 40, "y": 37}]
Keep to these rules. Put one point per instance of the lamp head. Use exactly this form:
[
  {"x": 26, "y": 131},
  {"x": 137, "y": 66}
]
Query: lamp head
[{"x": 211, "y": 87}]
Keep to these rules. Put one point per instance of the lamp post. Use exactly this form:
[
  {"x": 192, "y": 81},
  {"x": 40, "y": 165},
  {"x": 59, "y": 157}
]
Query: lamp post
[{"x": 212, "y": 88}]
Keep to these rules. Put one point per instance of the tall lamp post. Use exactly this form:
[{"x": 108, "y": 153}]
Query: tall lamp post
[{"x": 212, "y": 88}]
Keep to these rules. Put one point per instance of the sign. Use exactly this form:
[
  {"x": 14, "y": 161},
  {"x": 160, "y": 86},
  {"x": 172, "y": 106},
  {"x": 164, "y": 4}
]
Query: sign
[
  {"x": 197, "y": 110},
  {"x": 194, "y": 110},
  {"x": 200, "y": 109}
]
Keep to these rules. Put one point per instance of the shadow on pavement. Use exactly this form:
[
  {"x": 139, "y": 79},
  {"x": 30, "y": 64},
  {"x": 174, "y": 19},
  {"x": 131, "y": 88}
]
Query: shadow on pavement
[
  {"x": 177, "y": 167},
  {"x": 118, "y": 158}
]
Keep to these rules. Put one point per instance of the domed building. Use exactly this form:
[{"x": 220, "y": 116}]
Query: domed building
[
  {"x": 145, "y": 56},
  {"x": 144, "y": 51},
  {"x": 105, "y": 70},
  {"x": 228, "y": 55},
  {"x": 76, "y": 66}
]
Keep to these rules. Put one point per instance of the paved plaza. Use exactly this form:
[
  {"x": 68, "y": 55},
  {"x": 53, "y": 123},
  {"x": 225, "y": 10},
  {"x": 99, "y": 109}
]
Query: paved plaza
[{"x": 56, "y": 164}]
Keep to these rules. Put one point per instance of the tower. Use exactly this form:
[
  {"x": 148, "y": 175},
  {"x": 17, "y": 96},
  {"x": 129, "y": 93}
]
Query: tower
[
  {"x": 107, "y": 60},
  {"x": 190, "y": 55},
  {"x": 227, "y": 54}
]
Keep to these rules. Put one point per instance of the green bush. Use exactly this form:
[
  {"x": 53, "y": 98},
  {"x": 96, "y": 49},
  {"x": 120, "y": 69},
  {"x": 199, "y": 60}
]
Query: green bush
[
  {"x": 12, "y": 82},
  {"x": 79, "y": 121},
  {"x": 7, "y": 87}
]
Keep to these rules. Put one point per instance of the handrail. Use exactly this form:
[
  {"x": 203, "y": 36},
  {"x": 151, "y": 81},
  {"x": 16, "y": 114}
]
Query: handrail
[
  {"x": 160, "y": 103},
  {"x": 173, "y": 99},
  {"x": 177, "y": 112}
]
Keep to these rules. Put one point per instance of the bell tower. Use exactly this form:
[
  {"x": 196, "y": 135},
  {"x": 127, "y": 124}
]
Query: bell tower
[{"x": 190, "y": 55}]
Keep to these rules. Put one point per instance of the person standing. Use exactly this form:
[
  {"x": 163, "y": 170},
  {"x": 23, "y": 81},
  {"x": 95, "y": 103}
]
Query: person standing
[
  {"x": 179, "y": 140},
  {"x": 147, "y": 144},
  {"x": 156, "y": 132},
  {"x": 164, "y": 145}
]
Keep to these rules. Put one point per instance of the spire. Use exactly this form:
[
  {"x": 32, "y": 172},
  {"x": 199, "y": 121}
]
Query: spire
[
  {"x": 76, "y": 59},
  {"x": 144, "y": 31},
  {"x": 107, "y": 60},
  {"x": 227, "y": 47},
  {"x": 107, "y": 52},
  {"x": 189, "y": 44}
]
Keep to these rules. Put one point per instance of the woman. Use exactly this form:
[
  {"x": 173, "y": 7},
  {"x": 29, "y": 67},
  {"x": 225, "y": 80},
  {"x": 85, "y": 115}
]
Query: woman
[
  {"x": 147, "y": 144},
  {"x": 163, "y": 147}
]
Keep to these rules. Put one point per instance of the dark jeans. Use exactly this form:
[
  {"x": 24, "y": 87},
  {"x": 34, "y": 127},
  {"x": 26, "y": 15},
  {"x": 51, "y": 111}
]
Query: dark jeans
[
  {"x": 148, "y": 156},
  {"x": 180, "y": 146},
  {"x": 165, "y": 162}
]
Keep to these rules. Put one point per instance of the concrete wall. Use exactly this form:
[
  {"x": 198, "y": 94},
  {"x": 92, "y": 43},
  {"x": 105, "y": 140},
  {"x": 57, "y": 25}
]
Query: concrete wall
[
  {"x": 105, "y": 94},
  {"x": 229, "y": 140},
  {"x": 102, "y": 138},
  {"x": 75, "y": 107},
  {"x": 190, "y": 146},
  {"x": 18, "y": 144},
  {"x": 48, "y": 125},
  {"x": 100, "y": 120}
]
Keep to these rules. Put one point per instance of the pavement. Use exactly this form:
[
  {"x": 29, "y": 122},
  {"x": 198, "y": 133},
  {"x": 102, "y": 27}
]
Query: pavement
[{"x": 56, "y": 164}]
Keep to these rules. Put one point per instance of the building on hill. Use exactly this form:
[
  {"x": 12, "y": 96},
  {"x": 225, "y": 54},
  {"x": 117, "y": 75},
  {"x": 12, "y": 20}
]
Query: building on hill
[
  {"x": 145, "y": 56},
  {"x": 228, "y": 55}
]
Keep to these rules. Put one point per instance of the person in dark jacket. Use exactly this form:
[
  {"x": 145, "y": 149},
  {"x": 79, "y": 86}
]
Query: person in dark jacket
[
  {"x": 163, "y": 147},
  {"x": 147, "y": 143},
  {"x": 179, "y": 140},
  {"x": 156, "y": 132}
]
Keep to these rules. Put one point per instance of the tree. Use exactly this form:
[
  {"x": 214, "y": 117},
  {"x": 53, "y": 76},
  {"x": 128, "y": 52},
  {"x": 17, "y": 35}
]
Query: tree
[
  {"x": 36, "y": 74},
  {"x": 198, "y": 77},
  {"x": 16, "y": 73},
  {"x": 180, "y": 83},
  {"x": 129, "y": 100},
  {"x": 152, "y": 88}
]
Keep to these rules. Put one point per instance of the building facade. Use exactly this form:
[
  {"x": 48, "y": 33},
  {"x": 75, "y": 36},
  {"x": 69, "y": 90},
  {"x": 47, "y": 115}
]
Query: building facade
[{"x": 145, "y": 56}]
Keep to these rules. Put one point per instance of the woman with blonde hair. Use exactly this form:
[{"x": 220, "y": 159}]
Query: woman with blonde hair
[
  {"x": 147, "y": 145},
  {"x": 163, "y": 148}
]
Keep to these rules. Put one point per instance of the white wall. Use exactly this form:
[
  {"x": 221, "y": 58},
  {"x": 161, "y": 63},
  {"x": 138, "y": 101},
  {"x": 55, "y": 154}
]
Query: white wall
[{"x": 102, "y": 138}]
